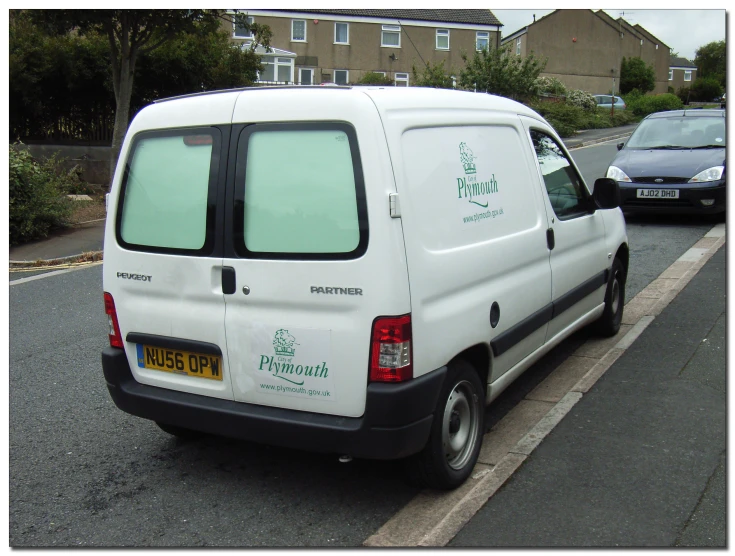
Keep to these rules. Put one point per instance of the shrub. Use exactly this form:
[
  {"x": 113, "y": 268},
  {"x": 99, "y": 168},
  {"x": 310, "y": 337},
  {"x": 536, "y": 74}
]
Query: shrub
[
  {"x": 36, "y": 198},
  {"x": 706, "y": 89},
  {"x": 551, "y": 86},
  {"x": 565, "y": 118},
  {"x": 684, "y": 94},
  {"x": 372, "y": 78},
  {"x": 583, "y": 99},
  {"x": 434, "y": 76},
  {"x": 644, "y": 105}
]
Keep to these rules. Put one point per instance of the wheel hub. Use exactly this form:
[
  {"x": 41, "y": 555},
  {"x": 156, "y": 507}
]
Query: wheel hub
[{"x": 454, "y": 422}]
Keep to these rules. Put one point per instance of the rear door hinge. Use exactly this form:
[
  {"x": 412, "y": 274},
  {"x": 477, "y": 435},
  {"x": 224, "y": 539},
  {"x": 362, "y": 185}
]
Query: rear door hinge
[{"x": 395, "y": 205}]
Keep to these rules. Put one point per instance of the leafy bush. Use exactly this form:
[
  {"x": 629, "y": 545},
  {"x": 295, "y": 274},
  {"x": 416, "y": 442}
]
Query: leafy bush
[
  {"x": 706, "y": 89},
  {"x": 635, "y": 74},
  {"x": 565, "y": 118},
  {"x": 434, "y": 76},
  {"x": 372, "y": 78},
  {"x": 36, "y": 195},
  {"x": 551, "y": 86},
  {"x": 684, "y": 94},
  {"x": 644, "y": 105},
  {"x": 583, "y": 99}
]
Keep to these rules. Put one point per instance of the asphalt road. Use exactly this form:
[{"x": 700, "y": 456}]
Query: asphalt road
[{"x": 83, "y": 473}]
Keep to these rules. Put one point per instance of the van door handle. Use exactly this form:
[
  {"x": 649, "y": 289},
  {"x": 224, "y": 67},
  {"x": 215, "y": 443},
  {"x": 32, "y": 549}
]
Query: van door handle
[
  {"x": 550, "y": 238},
  {"x": 228, "y": 279}
]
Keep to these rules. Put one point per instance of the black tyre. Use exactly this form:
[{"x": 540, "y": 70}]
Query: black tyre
[
  {"x": 179, "y": 432},
  {"x": 609, "y": 322},
  {"x": 456, "y": 432}
]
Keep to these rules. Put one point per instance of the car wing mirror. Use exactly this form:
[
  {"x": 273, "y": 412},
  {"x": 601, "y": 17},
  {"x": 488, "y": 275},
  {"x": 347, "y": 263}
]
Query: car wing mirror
[
  {"x": 606, "y": 193},
  {"x": 620, "y": 145}
]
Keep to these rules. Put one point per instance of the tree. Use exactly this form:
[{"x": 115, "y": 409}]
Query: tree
[
  {"x": 374, "y": 78},
  {"x": 131, "y": 33},
  {"x": 434, "y": 76},
  {"x": 711, "y": 60},
  {"x": 634, "y": 74},
  {"x": 499, "y": 72}
]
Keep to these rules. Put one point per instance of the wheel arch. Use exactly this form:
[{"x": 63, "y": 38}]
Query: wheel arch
[
  {"x": 479, "y": 357},
  {"x": 623, "y": 254}
]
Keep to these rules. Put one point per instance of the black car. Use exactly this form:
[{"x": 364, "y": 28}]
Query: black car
[{"x": 673, "y": 162}]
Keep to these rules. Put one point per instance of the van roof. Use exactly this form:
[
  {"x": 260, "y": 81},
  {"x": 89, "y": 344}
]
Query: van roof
[{"x": 385, "y": 98}]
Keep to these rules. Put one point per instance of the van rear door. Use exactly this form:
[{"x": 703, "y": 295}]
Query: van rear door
[
  {"x": 310, "y": 272},
  {"x": 161, "y": 266}
]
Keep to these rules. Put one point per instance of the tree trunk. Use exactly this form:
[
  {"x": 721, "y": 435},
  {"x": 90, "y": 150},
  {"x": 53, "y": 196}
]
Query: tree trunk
[{"x": 122, "y": 116}]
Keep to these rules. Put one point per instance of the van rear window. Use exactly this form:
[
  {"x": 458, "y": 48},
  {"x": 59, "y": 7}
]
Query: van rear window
[
  {"x": 299, "y": 192},
  {"x": 166, "y": 191}
]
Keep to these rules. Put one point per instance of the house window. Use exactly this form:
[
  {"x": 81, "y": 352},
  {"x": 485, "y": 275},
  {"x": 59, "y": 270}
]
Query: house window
[
  {"x": 518, "y": 46},
  {"x": 298, "y": 30},
  {"x": 482, "y": 40},
  {"x": 306, "y": 76},
  {"x": 687, "y": 75},
  {"x": 391, "y": 36},
  {"x": 442, "y": 39},
  {"x": 240, "y": 31},
  {"x": 671, "y": 75},
  {"x": 276, "y": 69},
  {"x": 341, "y": 77},
  {"x": 656, "y": 47},
  {"x": 341, "y": 33},
  {"x": 401, "y": 80}
]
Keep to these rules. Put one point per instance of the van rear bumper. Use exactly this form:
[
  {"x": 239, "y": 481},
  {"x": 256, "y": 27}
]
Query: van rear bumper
[{"x": 396, "y": 422}]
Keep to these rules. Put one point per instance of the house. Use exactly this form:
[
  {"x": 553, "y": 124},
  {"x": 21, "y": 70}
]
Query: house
[
  {"x": 311, "y": 47},
  {"x": 682, "y": 73},
  {"x": 584, "y": 49}
]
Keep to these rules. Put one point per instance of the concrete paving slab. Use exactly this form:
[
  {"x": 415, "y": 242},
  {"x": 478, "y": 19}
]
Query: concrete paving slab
[
  {"x": 598, "y": 347},
  {"x": 658, "y": 287},
  {"x": 676, "y": 270},
  {"x": 514, "y": 426},
  {"x": 636, "y": 308},
  {"x": 555, "y": 386}
]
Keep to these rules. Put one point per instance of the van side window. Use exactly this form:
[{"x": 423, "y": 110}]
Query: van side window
[
  {"x": 564, "y": 186},
  {"x": 297, "y": 192},
  {"x": 166, "y": 191}
]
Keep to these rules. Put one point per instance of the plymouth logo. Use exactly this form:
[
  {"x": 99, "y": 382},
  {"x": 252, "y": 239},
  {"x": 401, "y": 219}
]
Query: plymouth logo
[
  {"x": 282, "y": 364},
  {"x": 467, "y": 158},
  {"x": 469, "y": 186}
]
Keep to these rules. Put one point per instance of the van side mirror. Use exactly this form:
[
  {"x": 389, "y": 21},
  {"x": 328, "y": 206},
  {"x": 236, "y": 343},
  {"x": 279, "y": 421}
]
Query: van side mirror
[
  {"x": 606, "y": 193},
  {"x": 620, "y": 145}
]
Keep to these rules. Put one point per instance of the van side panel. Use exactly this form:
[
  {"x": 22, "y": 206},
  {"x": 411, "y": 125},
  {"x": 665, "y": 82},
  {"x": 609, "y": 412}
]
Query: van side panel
[{"x": 475, "y": 235}]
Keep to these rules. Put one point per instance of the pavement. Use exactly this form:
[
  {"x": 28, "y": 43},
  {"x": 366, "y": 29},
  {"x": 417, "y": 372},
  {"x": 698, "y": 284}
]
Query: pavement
[
  {"x": 640, "y": 460},
  {"x": 84, "y": 238}
]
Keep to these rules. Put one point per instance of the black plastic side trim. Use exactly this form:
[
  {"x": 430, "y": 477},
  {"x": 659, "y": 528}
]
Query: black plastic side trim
[
  {"x": 396, "y": 423},
  {"x": 503, "y": 342},
  {"x": 173, "y": 343},
  {"x": 570, "y": 298}
]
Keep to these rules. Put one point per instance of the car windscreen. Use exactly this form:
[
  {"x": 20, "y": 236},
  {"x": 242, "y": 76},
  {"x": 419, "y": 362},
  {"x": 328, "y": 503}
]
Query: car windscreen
[{"x": 683, "y": 132}]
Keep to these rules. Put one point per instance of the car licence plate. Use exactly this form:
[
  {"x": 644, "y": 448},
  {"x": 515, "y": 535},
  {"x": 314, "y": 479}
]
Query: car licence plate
[
  {"x": 179, "y": 362},
  {"x": 658, "y": 194}
]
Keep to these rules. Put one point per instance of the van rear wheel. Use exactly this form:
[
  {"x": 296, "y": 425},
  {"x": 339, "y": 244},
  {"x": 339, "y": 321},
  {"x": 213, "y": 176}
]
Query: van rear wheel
[
  {"x": 179, "y": 432},
  {"x": 456, "y": 432}
]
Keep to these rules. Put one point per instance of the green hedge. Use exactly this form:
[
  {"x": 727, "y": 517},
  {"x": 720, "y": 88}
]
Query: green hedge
[
  {"x": 37, "y": 195},
  {"x": 567, "y": 119},
  {"x": 643, "y": 105}
]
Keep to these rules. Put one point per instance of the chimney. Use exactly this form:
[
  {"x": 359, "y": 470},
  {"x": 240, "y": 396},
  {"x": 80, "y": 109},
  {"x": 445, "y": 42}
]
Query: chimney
[{"x": 534, "y": 18}]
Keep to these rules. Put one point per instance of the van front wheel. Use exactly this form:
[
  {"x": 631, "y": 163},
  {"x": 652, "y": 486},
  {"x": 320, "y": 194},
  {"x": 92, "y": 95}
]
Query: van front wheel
[
  {"x": 609, "y": 323},
  {"x": 456, "y": 432}
]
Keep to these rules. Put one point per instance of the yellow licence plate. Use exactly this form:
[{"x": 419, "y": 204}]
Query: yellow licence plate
[{"x": 180, "y": 362}]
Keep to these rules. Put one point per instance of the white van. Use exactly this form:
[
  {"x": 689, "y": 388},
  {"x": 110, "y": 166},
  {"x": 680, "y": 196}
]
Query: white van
[{"x": 355, "y": 271}]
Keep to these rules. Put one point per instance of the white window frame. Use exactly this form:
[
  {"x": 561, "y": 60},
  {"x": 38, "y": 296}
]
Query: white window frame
[
  {"x": 295, "y": 21},
  {"x": 250, "y": 20},
  {"x": 276, "y": 61},
  {"x": 347, "y": 77},
  {"x": 442, "y": 33},
  {"x": 380, "y": 72},
  {"x": 399, "y": 77},
  {"x": 671, "y": 75},
  {"x": 390, "y": 29},
  {"x": 335, "y": 32},
  {"x": 518, "y": 46},
  {"x": 484, "y": 35},
  {"x": 687, "y": 75},
  {"x": 311, "y": 71}
]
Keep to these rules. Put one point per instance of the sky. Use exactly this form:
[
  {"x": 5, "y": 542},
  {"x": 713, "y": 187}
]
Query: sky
[{"x": 682, "y": 30}]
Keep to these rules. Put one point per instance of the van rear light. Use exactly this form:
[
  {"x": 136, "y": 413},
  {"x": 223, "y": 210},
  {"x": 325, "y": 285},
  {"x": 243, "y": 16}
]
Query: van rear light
[
  {"x": 390, "y": 350},
  {"x": 115, "y": 337}
]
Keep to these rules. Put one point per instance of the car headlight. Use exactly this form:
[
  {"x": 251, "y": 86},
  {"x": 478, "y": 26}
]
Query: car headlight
[
  {"x": 617, "y": 174},
  {"x": 710, "y": 174}
]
